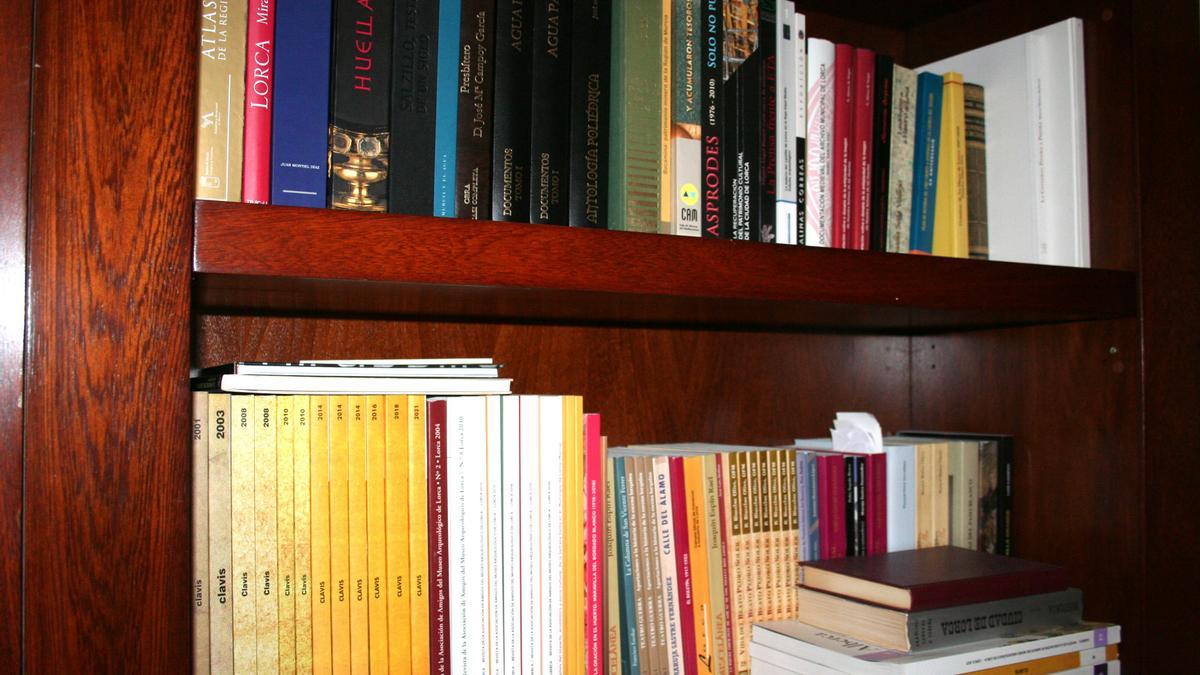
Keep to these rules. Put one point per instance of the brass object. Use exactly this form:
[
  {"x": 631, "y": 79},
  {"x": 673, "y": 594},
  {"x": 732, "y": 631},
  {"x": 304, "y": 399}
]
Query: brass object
[{"x": 358, "y": 166}]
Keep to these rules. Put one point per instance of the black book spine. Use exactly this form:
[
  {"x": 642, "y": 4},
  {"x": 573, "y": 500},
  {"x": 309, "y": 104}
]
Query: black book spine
[
  {"x": 860, "y": 505},
  {"x": 510, "y": 112},
  {"x": 766, "y": 149},
  {"x": 742, "y": 120},
  {"x": 1004, "y": 501},
  {"x": 550, "y": 133},
  {"x": 359, "y": 105},
  {"x": 851, "y": 516},
  {"x": 881, "y": 168},
  {"x": 414, "y": 107},
  {"x": 590, "y": 91},
  {"x": 712, "y": 118},
  {"x": 473, "y": 168}
]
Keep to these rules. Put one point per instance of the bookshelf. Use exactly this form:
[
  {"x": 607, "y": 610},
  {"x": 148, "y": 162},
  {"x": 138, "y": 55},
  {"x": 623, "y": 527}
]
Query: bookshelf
[{"x": 130, "y": 281}]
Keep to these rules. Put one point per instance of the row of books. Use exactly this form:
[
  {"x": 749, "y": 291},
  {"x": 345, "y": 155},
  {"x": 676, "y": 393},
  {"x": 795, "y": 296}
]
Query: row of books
[
  {"x": 938, "y": 610},
  {"x": 396, "y": 533}
]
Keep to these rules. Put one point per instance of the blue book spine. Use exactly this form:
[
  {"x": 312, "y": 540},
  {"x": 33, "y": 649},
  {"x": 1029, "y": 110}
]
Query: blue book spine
[
  {"x": 814, "y": 514},
  {"x": 445, "y": 144},
  {"x": 300, "y": 139},
  {"x": 925, "y": 161},
  {"x": 627, "y": 624}
]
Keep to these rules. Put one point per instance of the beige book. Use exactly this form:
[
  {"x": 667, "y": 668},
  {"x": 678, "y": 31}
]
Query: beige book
[
  {"x": 357, "y": 500},
  {"x": 792, "y": 552},
  {"x": 285, "y": 417},
  {"x": 266, "y": 533},
  {"x": 397, "y": 589},
  {"x": 220, "y": 564},
  {"x": 418, "y": 535},
  {"x": 745, "y": 562},
  {"x": 964, "y": 493},
  {"x": 302, "y": 494},
  {"x": 220, "y": 100},
  {"x": 775, "y": 486},
  {"x": 322, "y": 556},
  {"x": 757, "y": 570},
  {"x": 925, "y": 489},
  {"x": 241, "y": 461},
  {"x": 339, "y": 530},
  {"x": 941, "y": 494},
  {"x": 377, "y": 609},
  {"x": 200, "y": 601},
  {"x": 659, "y": 656}
]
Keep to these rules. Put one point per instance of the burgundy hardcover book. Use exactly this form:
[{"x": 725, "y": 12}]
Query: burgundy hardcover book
[
  {"x": 876, "y": 503},
  {"x": 862, "y": 138},
  {"x": 831, "y": 490},
  {"x": 930, "y": 578},
  {"x": 843, "y": 133}
]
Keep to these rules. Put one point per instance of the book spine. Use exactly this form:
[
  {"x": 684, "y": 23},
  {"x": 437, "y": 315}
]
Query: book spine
[
  {"x": 360, "y": 93},
  {"x": 221, "y": 598},
  {"x": 285, "y": 418},
  {"x": 768, "y": 62},
  {"x": 418, "y": 534},
  {"x": 941, "y": 495},
  {"x": 492, "y": 488},
  {"x": 595, "y": 563},
  {"x": 925, "y": 161},
  {"x": 302, "y": 523},
  {"x": 200, "y": 590},
  {"x": 924, "y": 463},
  {"x": 339, "y": 532},
  {"x": 550, "y": 138},
  {"x": 397, "y": 579},
  {"x": 881, "y": 151},
  {"x": 683, "y": 566},
  {"x": 862, "y": 146},
  {"x": 476, "y": 66},
  {"x": 511, "y": 112},
  {"x": 962, "y": 624},
  {"x": 777, "y": 529},
  {"x": 616, "y": 611},
  {"x": 900, "y": 176},
  {"x": 220, "y": 101},
  {"x": 717, "y": 615},
  {"x": 814, "y": 527},
  {"x": 742, "y": 119},
  {"x": 800, "y": 120},
  {"x": 639, "y": 638},
  {"x": 901, "y": 498},
  {"x": 414, "y": 107},
  {"x": 636, "y": 106},
  {"x": 843, "y": 144},
  {"x": 785, "y": 120},
  {"x": 989, "y": 491},
  {"x": 963, "y": 479},
  {"x": 877, "y": 510},
  {"x": 838, "y": 496},
  {"x": 652, "y": 551},
  {"x": 260, "y": 76},
  {"x": 825, "y": 510},
  {"x": 685, "y": 146},
  {"x": 860, "y": 506},
  {"x": 697, "y": 525},
  {"x": 439, "y": 556},
  {"x": 445, "y": 144},
  {"x": 712, "y": 21},
  {"x": 744, "y": 563},
  {"x": 510, "y": 429},
  {"x": 950, "y": 205},
  {"x": 573, "y": 553},
  {"x": 319, "y": 474},
  {"x": 666, "y": 180},
  {"x": 725, "y": 517},
  {"x": 242, "y": 521},
  {"x": 668, "y": 568},
  {"x": 851, "y": 502},
  {"x": 300, "y": 123},
  {"x": 1004, "y": 510},
  {"x": 266, "y": 533},
  {"x": 357, "y": 452},
  {"x": 792, "y": 564},
  {"x": 379, "y": 634},
  {"x": 804, "y": 551},
  {"x": 591, "y": 89},
  {"x": 466, "y": 448},
  {"x": 976, "y": 138},
  {"x": 819, "y": 151},
  {"x": 530, "y": 532},
  {"x": 550, "y": 544}
]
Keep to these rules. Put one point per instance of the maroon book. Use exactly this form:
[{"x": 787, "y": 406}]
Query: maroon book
[
  {"x": 876, "y": 503},
  {"x": 439, "y": 558},
  {"x": 683, "y": 565},
  {"x": 862, "y": 147},
  {"x": 831, "y": 493},
  {"x": 843, "y": 155},
  {"x": 930, "y": 578}
]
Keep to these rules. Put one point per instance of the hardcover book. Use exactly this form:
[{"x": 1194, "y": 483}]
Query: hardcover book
[
  {"x": 881, "y": 151},
  {"x": 476, "y": 64},
  {"x": 926, "y": 154},
  {"x": 900, "y": 159},
  {"x": 220, "y": 101},
  {"x": 976, "y": 136},
  {"x": 300, "y": 127},
  {"x": 843, "y": 144},
  {"x": 242, "y": 521},
  {"x": 768, "y": 84},
  {"x": 266, "y": 534},
  {"x": 862, "y": 149},
  {"x": 260, "y": 77},
  {"x": 550, "y": 138},
  {"x": 712, "y": 114},
  {"x": 445, "y": 145},
  {"x": 201, "y": 592},
  {"x": 511, "y": 112},
  {"x": 950, "y": 204},
  {"x": 636, "y": 106},
  {"x": 414, "y": 106},
  {"x": 591, "y": 89},
  {"x": 743, "y": 123}
]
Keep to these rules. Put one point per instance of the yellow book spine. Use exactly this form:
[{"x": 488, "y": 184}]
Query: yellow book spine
[
  {"x": 322, "y": 575},
  {"x": 285, "y": 417},
  {"x": 950, "y": 210},
  {"x": 418, "y": 535},
  {"x": 302, "y": 494},
  {"x": 925, "y": 491},
  {"x": 377, "y": 609},
  {"x": 573, "y": 553},
  {"x": 241, "y": 451},
  {"x": 693, "y": 482},
  {"x": 775, "y": 562},
  {"x": 941, "y": 495},
  {"x": 339, "y": 529},
  {"x": 360, "y": 662},
  {"x": 220, "y": 564},
  {"x": 792, "y": 559},
  {"x": 219, "y": 101},
  {"x": 201, "y": 653},
  {"x": 266, "y": 533},
  {"x": 396, "y": 495}
]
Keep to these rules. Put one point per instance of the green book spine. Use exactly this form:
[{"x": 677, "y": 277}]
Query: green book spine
[{"x": 636, "y": 160}]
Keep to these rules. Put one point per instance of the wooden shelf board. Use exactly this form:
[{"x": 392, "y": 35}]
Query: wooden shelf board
[{"x": 283, "y": 259}]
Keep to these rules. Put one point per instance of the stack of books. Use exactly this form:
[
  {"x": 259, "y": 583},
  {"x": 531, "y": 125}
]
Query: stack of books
[{"x": 937, "y": 610}]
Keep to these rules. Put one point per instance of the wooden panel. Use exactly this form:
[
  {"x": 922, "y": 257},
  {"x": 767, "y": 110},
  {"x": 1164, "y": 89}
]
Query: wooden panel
[
  {"x": 16, "y": 37},
  {"x": 1071, "y": 397},
  {"x": 838, "y": 28},
  {"x": 107, "y": 471},
  {"x": 421, "y": 265},
  {"x": 884, "y": 12},
  {"x": 1112, "y": 190},
  {"x": 1169, "y": 166},
  {"x": 650, "y": 384}
]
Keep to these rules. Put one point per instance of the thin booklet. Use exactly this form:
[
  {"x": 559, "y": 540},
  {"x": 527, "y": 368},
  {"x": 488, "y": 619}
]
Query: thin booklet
[
  {"x": 300, "y": 384},
  {"x": 413, "y": 368}
]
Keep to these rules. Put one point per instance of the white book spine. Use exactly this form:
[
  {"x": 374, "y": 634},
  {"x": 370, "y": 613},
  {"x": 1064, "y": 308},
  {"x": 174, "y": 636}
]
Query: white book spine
[
  {"x": 532, "y": 564},
  {"x": 466, "y": 517},
  {"x": 494, "y": 552},
  {"x": 511, "y": 537},
  {"x": 901, "y": 498},
  {"x": 785, "y": 116},
  {"x": 800, "y": 118},
  {"x": 551, "y": 544},
  {"x": 818, "y": 193},
  {"x": 670, "y": 585}
]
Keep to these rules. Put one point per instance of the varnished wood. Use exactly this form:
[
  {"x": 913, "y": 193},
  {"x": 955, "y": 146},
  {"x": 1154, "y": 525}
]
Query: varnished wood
[
  {"x": 1070, "y": 397},
  {"x": 421, "y": 265},
  {"x": 16, "y": 31},
  {"x": 107, "y": 467},
  {"x": 1166, "y": 39}
]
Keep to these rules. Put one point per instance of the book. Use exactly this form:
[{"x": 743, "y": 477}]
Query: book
[
  {"x": 220, "y": 101},
  {"x": 302, "y": 495},
  {"x": 551, "y": 516},
  {"x": 932, "y": 578},
  {"x": 200, "y": 589},
  {"x": 360, "y": 92},
  {"x": 266, "y": 533},
  {"x": 768, "y": 84},
  {"x": 301, "y": 384},
  {"x": 445, "y": 144},
  {"x": 375, "y": 419},
  {"x": 260, "y": 78},
  {"x": 942, "y": 627},
  {"x": 418, "y": 534},
  {"x": 285, "y": 512},
  {"x": 466, "y": 531},
  {"x": 476, "y": 64},
  {"x": 242, "y": 533},
  {"x": 511, "y": 506},
  {"x": 800, "y": 121},
  {"x": 975, "y": 126},
  {"x": 843, "y": 144},
  {"x": 950, "y": 205},
  {"x": 300, "y": 122},
  {"x": 529, "y": 530},
  {"x": 595, "y": 523},
  {"x": 220, "y": 564},
  {"x": 495, "y": 587},
  {"x": 615, "y": 610},
  {"x": 573, "y": 552},
  {"x": 840, "y": 653},
  {"x": 439, "y": 556},
  {"x": 786, "y": 118},
  {"x": 926, "y": 155},
  {"x": 631, "y": 650},
  {"x": 862, "y": 149},
  {"x": 819, "y": 113},
  {"x": 414, "y": 106},
  {"x": 668, "y": 567},
  {"x": 901, "y": 497},
  {"x": 322, "y": 554},
  {"x": 397, "y": 586},
  {"x": 666, "y": 180},
  {"x": 512, "y": 98},
  {"x": 881, "y": 164},
  {"x": 679, "y": 517},
  {"x": 743, "y": 120},
  {"x": 697, "y": 523},
  {"x": 591, "y": 89},
  {"x": 354, "y": 369},
  {"x": 636, "y": 106},
  {"x": 685, "y": 147},
  {"x": 712, "y": 114},
  {"x": 550, "y": 138},
  {"x": 1037, "y": 180},
  {"x": 340, "y": 580},
  {"x": 964, "y": 493},
  {"x": 902, "y": 137}
]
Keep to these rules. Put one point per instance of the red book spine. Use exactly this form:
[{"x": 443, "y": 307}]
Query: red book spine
[
  {"x": 831, "y": 489},
  {"x": 825, "y": 504},
  {"x": 683, "y": 566},
  {"x": 731, "y": 648},
  {"x": 260, "y": 75},
  {"x": 843, "y": 125},
  {"x": 593, "y": 494},
  {"x": 863, "y": 148},
  {"x": 439, "y": 598},
  {"x": 876, "y": 504}
]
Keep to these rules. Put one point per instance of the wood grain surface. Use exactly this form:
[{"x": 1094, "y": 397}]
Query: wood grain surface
[
  {"x": 16, "y": 33},
  {"x": 107, "y": 467}
]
